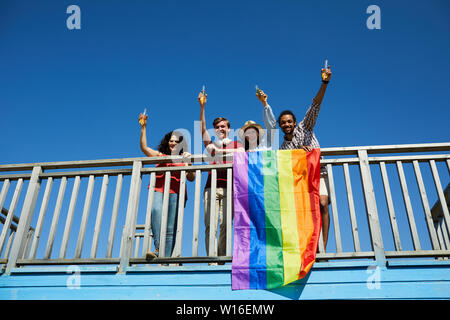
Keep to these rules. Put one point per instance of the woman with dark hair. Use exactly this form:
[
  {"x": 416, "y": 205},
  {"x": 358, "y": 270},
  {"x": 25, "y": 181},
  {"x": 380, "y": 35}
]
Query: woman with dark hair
[{"x": 172, "y": 144}]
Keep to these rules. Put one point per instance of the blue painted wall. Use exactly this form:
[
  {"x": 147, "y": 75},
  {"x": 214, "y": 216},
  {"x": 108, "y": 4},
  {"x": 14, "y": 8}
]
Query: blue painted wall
[{"x": 334, "y": 280}]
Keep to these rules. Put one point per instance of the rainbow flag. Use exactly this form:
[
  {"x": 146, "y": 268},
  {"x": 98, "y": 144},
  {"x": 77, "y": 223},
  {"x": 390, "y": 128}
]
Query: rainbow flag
[{"x": 277, "y": 219}]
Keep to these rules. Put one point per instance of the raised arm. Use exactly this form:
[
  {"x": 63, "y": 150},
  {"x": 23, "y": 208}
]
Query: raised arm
[
  {"x": 269, "y": 119},
  {"x": 311, "y": 115},
  {"x": 205, "y": 135},
  {"x": 143, "y": 140}
]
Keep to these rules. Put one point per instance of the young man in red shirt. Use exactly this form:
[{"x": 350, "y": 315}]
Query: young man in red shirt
[{"x": 223, "y": 146}]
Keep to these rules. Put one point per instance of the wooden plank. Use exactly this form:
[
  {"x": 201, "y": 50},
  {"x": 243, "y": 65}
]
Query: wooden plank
[
  {"x": 390, "y": 205},
  {"x": 27, "y": 243},
  {"x": 148, "y": 216},
  {"x": 165, "y": 210},
  {"x": 441, "y": 196},
  {"x": 26, "y": 215},
  {"x": 136, "y": 245},
  {"x": 198, "y": 181},
  {"x": 69, "y": 218},
  {"x": 406, "y": 159},
  {"x": 9, "y": 243},
  {"x": 337, "y": 232},
  {"x": 15, "y": 176},
  {"x": 4, "y": 192},
  {"x": 212, "y": 250},
  {"x": 203, "y": 168},
  {"x": 408, "y": 207},
  {"x": 41, "y": 217},
  {"x": 426, "y": 206},
  {"x": 84, "y": 217},
  {"x": 401, "y": 148},
  {"x": 98, "y": 220},
  {"x": 351, "y": 208},
  {"x": 130, "y": 222},
  {"x": 10, "y": 215},
  {"x": 77, "y": 261},
  {"x": 371, "y": 208},
  {"x": 95, "y": 173},
  {"x": 180, "y": 222},
  {"x": 115, "y": 210},
  {"x": 229, "y": 213},
  {"x": 105, "y": 162},
  {"x": 55, "y": 219}
]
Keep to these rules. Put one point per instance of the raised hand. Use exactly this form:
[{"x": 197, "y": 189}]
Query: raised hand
[{"x": 326, "y": 74}]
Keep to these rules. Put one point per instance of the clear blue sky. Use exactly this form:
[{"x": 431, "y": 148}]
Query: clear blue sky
[{"x": 76, "y": 94}]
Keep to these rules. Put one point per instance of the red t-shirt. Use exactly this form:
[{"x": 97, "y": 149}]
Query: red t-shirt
[
  {"x": 222, "y": 174},
  {"x": 174, "y": 178}
]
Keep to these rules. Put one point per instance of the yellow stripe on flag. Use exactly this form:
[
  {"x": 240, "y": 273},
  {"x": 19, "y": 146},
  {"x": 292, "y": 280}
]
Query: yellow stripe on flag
[{"x": 291, "y": 249}]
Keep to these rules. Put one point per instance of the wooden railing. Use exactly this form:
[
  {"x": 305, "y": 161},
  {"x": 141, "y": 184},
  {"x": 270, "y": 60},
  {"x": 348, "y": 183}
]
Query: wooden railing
[{"x": 386, "y": 202}]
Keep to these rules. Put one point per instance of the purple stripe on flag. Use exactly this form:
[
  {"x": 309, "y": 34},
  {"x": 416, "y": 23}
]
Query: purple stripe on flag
[{"x": 241, "y": 249}]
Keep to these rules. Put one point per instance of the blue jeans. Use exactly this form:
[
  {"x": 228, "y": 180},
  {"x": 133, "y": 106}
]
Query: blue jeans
[{"x": 172, "y": 217}]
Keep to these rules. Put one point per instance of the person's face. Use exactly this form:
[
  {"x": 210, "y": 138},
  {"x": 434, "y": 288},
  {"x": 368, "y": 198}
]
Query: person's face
[
  {"x": 287, "y": 123},
  {"x": 222, "y": 129},
  {"x": 173, "y": 142},
  {"x": 251, "y": 135}
]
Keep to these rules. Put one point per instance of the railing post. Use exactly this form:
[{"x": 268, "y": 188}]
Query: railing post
[
  {"x": 29, "y": 204},
  {"x": 130, "y": 222},
  {"x": 371, "y": 208}
]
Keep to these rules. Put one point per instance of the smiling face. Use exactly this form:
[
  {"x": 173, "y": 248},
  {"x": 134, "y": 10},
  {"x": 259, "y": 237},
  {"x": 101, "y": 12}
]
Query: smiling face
[
  {"x": 173, "y": 142},
  {"x": 287, "y": 123},
  {"x": 221, "y": 128}
]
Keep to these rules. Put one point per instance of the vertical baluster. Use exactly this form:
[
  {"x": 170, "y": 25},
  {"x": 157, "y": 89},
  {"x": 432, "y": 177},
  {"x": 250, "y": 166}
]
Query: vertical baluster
[
  {"x": 69, "y": 219},
  {"x": 212, "y": 250},
  {"x": 390, "y": 205},
  {"x": 437, "y": 184},
  {"x": 180, "y": 222},
  {"x": 98, "y": 220},
  {"x": 26, "y": 215},
  {"x": 229, "y": 213},
  {"x": 112, "y": 227},
  {"x": 351, "y": 207},
  {"x": 56, "y": 214},
  {"x": 426, "y": 206},
  {"x": 11, "y": 211},
  {"x": 409, "y": 210},
  {"x": 84, "y": 218},
  {"x": 337, "y": 233},
  {"x": 165, "y": 210},
  {"x": 197, "y": 195},
  {"x": 136, "y": 245},
  {"x": 148, "y": 216},
  {"x": 130, "y": 222},
  {"x": 371, "y": 208},
  {"x": 27, "y": 243},
  {"x": 9, "y": 243},
  {"x": 41, "y": 217},
  {"x": 4, "y": 192}
]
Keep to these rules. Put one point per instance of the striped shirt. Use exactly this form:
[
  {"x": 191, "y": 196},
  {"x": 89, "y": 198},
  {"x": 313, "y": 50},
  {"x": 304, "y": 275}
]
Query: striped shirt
[{"x": 303, "y": 133}]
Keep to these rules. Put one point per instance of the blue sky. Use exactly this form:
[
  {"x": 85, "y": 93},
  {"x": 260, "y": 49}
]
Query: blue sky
[{"x": 76, "y": 94}]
